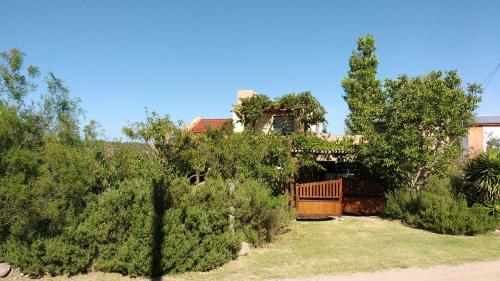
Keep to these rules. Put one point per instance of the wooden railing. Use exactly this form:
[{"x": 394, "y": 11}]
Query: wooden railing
[
  {"x": 331, "y": 189},
  {"x": 319, "y": 199}
]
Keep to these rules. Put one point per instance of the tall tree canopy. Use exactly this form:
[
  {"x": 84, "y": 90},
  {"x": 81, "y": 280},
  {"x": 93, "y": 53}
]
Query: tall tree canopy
[
  {"x": 14, "y": 83},
  {"x": 412, "y": 127},
  {"x": 363, "y": 92}
]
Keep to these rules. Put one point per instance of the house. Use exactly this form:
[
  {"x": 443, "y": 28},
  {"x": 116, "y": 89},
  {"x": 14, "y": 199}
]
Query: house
[
  {"x": 203, "y": 125},
  {"x": 484, "y": 128},
  {"x": 343, "y": 186},
  {"x": 273, "y": 120}
]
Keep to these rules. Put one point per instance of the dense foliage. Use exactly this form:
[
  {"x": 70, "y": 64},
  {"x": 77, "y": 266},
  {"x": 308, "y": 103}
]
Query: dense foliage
[
  {"x": 411, "y": 128},
  {"x": 246, "y": 155},
  {"x": 482, "y": 177},
  {"x": 303, "y": 107},
  {"x": 493, "y": 143},
  {"x": 437, "y": 210},
  {"x": 257, "y": 156},
  {"x": 309, "y": 144},
  {"x": 70, "y": 203},
  {"x": 363, "y": 91},
  {"x": 252, "y": 110}
]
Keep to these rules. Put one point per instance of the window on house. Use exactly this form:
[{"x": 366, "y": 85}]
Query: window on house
[{"x": 283, "y": 124}]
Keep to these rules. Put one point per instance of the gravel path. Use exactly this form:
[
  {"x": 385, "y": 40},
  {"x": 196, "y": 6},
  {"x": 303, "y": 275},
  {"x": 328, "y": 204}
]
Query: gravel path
[{"x": 477, "y": 271}]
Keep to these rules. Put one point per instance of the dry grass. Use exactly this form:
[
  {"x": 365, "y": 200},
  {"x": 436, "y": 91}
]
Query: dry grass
[{"x": 356, "y": 244}]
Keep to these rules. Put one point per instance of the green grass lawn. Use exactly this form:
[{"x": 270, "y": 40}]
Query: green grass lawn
[{"x": 355, "y": 244}]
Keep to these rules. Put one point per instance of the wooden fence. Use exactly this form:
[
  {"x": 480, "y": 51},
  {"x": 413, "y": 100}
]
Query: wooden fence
[
  {"x": 323, "y": 198},
  {"x": 363, "y": 196}
]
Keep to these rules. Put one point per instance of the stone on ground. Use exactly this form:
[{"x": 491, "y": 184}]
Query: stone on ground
[
  {"x": 4, "y": 269},
  {"x": 245, "y": 248}
]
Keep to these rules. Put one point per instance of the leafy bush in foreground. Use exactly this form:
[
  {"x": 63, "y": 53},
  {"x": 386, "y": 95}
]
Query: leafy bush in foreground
[
  {"x": 253, "y": 156},
  {"x": 70, "y": 204},
  {"x": 147, "y": 228},
  {"x": 438, "y": 211},
  {"x": 494, "y": 208},
  {"x": 482, "y": 177},
  {"x": 260, "y": 216},
  {"x": 196, "y": 228},
  {"x": 117, "y": 228}
]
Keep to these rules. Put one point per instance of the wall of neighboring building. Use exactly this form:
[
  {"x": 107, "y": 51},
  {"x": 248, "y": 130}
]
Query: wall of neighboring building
[
  {"x": 490, "y": 132},
  {"x": 478, "y": 136},
  {"x": 474, "y": 140},
  {"x": 237, "y": 126},
  {"x": 241, "y": 94},
  {"x": 484, "y": 128}
]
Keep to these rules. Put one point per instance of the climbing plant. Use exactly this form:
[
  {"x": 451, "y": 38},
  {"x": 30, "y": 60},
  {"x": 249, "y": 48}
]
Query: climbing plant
[
  {"x": 304, "y": 107},
  {"x": 251, "y": 110}
]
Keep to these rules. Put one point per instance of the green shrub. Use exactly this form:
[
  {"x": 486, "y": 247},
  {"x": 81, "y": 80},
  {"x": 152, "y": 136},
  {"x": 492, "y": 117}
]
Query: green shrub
[
  {"x": 439, "y": 212},
  {"x": 117, "y": 228},
  {"x": 70, "y": 204},
  {"x": 482, "y": 177},
  {"x": 494, "y": 208},
  {"x": 38, "y": 210},
  {"x": 397, "y": 204},
  {"x": 196, "y": 228},
  {"x": 55, "y": 256},
  {"x": 134, "y": 221},
  {"x": 144, "y": 228},
  {"x": 253, "y": 156},
  {"x": 260, "y": 216}
]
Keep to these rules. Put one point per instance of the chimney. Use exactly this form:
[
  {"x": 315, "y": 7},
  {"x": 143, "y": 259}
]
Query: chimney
[{"x": 243, "y": 94}]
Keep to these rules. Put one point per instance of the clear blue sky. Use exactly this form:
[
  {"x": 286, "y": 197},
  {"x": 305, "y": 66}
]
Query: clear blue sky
[{"x": 188, "y": 58}]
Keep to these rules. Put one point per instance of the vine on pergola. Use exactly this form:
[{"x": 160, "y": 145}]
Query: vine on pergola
[{"x": 303, "y": 107}]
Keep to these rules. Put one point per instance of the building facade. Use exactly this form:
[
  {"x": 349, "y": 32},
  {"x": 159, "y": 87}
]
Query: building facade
[
  {"x": 278, "y": 121},
  {"x": 484, "y": 128}
]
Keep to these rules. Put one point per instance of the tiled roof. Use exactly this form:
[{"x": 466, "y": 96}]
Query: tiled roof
[
  {"x": 487, "y": 119},
  {"x": 203, "y": 125}
]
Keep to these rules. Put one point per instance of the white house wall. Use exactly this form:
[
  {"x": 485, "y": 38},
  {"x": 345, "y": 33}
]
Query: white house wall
[
  {"x": 237, "y": 126},
  {"x": 489, "y": 133}
]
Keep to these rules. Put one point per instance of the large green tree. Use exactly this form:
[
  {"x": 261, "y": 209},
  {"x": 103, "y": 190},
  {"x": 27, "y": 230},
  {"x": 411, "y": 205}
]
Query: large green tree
[
  {"x": 15, "y": 82},
  {"x": 44, "y": 166},
  {"x": 412, "y": 127},
  {"x": 363, "y": 91}
]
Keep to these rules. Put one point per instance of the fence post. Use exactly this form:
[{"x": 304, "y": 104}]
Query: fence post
[{"x": 341, "y": 197}]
